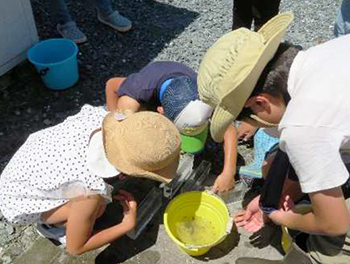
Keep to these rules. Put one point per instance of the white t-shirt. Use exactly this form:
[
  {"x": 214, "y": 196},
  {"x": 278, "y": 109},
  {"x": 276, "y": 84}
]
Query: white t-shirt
[
  {"x": 50, "y": 168},
  {"x": 316, "y": 124}
]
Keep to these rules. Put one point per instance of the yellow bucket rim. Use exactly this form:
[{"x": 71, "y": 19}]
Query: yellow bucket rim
[{"x": 189, "y": 247}]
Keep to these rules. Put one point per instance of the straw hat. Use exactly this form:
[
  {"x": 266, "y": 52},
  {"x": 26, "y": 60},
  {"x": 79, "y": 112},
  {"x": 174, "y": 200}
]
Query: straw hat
[
  {"x": 139, "y": 145},
  {"x": 231, "y": 68}
]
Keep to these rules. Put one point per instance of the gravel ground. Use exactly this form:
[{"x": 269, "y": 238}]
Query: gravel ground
[{"x": 163, "y": 30}]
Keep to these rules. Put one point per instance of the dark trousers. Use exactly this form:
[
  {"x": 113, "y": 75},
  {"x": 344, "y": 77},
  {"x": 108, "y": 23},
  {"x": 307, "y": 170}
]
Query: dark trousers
[{"x": 245, "y": 11}]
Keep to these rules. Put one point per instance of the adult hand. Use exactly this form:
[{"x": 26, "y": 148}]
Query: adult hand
[
  {"x": 245, "y": 131},
  {"x": 129, "y": 208},
  {"x": 251, "y": 219},
  {"x": 224, "y": 182}
]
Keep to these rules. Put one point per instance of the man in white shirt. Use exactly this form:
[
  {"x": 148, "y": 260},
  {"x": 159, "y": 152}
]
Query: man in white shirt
[{"x": 307, "y": 95}]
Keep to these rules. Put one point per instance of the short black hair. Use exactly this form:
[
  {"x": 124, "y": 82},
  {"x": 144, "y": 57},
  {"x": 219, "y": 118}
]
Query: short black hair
[{"x": 274, "y": 78}]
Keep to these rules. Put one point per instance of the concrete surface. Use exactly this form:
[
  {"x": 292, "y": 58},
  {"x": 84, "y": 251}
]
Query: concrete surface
[{"x": 154, "y": 246}]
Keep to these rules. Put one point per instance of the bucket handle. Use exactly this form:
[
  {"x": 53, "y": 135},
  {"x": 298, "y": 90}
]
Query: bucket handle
[{"x": 44, "y": 71}]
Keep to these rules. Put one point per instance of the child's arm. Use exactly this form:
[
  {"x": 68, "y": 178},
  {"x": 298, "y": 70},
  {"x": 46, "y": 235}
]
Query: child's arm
[
  {"x": 112, "y": 99},
  {"x": 226, "y": 180},
  {"x": 82, "y": 215},
  {"x": 329, "y": 215}
]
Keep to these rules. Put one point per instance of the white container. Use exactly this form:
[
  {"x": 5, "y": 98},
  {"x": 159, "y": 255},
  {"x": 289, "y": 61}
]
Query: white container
[{"x": 17, "y": 32}]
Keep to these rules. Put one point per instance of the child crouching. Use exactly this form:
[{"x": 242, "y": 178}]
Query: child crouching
[{"x": 56, "y": 178}]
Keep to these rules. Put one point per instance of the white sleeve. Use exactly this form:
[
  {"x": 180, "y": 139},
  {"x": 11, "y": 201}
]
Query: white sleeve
[{"x": 315, "y": 157}]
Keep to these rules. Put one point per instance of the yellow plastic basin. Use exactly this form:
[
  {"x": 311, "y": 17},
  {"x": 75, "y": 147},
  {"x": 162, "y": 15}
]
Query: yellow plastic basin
[
  {"x": 287, "y": 240},
  {"x": 196, "y": 221}
]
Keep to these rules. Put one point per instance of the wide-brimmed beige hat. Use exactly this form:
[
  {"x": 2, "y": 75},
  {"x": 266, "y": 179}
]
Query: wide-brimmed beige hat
[
  {"x": 139, "y": 144},
  {"x": 231, "y": 68}
]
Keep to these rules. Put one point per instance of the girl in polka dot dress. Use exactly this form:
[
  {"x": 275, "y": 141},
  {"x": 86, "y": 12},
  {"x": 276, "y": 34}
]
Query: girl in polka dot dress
[{"x": 56, "y": 178}]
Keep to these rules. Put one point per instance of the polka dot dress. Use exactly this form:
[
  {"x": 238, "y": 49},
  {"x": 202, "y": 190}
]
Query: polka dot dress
[{"x": 50, "y": 168}]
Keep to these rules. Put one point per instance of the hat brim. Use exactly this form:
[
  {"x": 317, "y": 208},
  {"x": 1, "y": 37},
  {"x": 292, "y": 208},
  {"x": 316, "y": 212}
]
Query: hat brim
[
  {"x": 222, "y": 119},
  {"x": 272, "y": 32},
  {"x": 98, "y": 163},
  {"x": 194, "y": 143},
  {"x": 96, "y": 158}
]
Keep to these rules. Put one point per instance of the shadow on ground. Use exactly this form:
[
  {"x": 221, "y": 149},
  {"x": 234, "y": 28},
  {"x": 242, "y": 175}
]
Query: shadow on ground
[
  {"x": 124, "y": 248},
  {"x": 26, "y": 105}
]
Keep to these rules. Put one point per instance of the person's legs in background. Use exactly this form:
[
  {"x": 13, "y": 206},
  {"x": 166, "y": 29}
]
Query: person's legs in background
[
  {"x": 105, "y": 13},
  {"x": 110, "y": 17},
  {"x": 64, "y": 23},
  {"x": 59, "y": 12},
  {"x": 342, "y": 24},
  {"x": 263, "y": 11},
  {"x": 242, "y": 14}
]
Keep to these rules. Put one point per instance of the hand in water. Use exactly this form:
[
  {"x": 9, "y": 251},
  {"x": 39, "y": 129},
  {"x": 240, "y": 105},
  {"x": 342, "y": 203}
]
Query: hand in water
[{"x": 223, "y": 183}]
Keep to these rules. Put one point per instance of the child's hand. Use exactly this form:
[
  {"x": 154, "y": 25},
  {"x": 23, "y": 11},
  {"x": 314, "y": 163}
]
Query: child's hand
[
  {"x": 122, "y": 177},
  {"x": 223, "y": 183},
  {"x": 245, "y": 131},
  {"x": 129, "y": 208},
  {"x": 287, "y": 209},
  {"x": 251, "y": 219},
  {"x": 287, "y": 203}
]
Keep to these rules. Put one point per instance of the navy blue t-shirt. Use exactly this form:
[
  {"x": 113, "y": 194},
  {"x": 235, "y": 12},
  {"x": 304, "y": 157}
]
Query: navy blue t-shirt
[{"x": 144, "y": 86}]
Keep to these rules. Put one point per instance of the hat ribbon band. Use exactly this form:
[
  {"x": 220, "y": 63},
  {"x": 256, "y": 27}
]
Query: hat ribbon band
[
  {"x": 256, "y": 118},
  {"x": 163, "y": 89}
]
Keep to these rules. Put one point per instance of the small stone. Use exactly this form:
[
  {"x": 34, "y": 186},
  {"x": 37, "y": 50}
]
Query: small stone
[
  {"x": 17, "y": 112},
  {"x": 28, "y": 236},
  {"x": 6, "y": 94},
  {"x": 47, "y": 122},
  {"x": 10, "y": 230},
  {"x": 124, "y": 60},
  {"x": 44, "y": 115},
  {"x": 29, "y": 110},
  {"x": 6, "y": 260},
  {"x": 15, "y": 251}
]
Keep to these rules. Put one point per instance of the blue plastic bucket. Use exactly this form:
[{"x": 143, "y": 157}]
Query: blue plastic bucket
[{"x": 56, "y": 62}]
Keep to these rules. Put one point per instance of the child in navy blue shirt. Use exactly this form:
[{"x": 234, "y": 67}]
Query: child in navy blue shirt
[{"x": 170, "y": 88}]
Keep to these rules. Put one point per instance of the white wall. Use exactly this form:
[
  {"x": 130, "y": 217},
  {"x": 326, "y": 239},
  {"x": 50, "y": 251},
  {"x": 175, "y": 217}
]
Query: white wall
[{"x": 17, "y": 32}]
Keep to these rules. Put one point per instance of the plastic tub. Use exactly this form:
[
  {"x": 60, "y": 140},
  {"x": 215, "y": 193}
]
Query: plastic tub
[
  {"x": 56, "y": 62},
  {"x": 196, "y": 221}
]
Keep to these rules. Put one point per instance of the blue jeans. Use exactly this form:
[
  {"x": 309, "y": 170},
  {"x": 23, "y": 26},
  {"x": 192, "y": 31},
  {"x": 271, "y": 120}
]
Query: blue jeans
[
  {"x": 342, "y": 24},
  {"x": 60, "y": 13}
]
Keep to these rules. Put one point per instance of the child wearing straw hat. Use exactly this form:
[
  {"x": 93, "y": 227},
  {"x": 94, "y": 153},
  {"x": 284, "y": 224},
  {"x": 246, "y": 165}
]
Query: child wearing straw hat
[
  {"x": 306, "y": 95},
  {"x": 170, "y": 88},
  {"x": 57, "y": 177}
]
